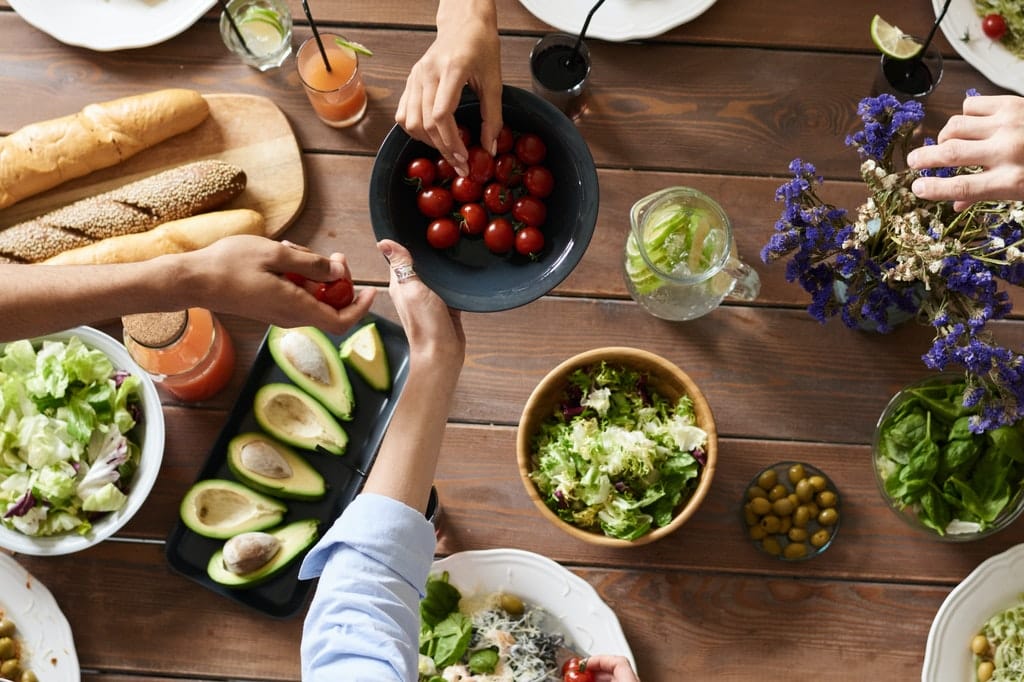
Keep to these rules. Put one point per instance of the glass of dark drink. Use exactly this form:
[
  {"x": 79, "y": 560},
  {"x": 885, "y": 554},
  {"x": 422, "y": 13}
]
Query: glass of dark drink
[
  {"x": 914, "y": 77},
  {"x": 560, "y": 72}
]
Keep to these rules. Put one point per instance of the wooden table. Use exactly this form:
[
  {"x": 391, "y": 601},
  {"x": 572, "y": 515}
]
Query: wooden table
[{"x": 722, "y": 104}]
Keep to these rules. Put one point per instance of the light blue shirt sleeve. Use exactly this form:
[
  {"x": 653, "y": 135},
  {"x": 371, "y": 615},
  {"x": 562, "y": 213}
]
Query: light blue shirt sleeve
[{"x": 364, "y": 621}]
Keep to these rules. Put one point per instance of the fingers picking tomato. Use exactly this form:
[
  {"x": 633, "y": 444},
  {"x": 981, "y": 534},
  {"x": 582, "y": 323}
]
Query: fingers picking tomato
[
  {"x": 474, "y": 219},
  {"x": 529, "y": 241},
  {"x": 421, "y": 172},
  {"x": 295, "y": 278},
  {"x": 530, "y": 149},
  {"x": 529, "y": 210},
  {"x": 994, "y": 26},
  {"x": 481, "y": 164},
  {"x": 505, "y": 140},
  {"x": 337, "y": 294},
  {"x": 434, "y": 202},
  {"x": 442, "y": 233},
  {"x": 539, "y": 181},
  {"x": 499, "y": 236},
  {"x": 498, "y": 199},
  {"x": 445, "y": 171},
  {"x": 466, "y": 190}
]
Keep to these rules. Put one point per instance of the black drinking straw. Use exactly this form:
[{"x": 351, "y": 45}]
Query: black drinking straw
[
  {"x": 579, "y": 39},
  {"x": 234, "y": 27},
  {"x": 931, "y": 34},
  {"x": 316, "y": 35}
]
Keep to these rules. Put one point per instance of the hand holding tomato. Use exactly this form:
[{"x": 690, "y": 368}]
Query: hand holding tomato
[
  {"x": 337, "y": 294},
  {"x": 598, "y": 669}
]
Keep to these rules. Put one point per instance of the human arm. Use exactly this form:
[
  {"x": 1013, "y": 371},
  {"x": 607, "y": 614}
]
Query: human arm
[
  {"x": 363, "y": 622},
  {"x": 611, "y": 669},
  {"x": 466, "y": 50},
  {"x": 989, "y": 134},
  {"x": 239, "y": 275}
]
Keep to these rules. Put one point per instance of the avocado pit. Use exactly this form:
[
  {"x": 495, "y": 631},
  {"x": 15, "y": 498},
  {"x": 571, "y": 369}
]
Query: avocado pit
[
  {"x": 261, "y": 458},
  {"x": 249, "y": 552},
  {"x": 306, "y": 356}
]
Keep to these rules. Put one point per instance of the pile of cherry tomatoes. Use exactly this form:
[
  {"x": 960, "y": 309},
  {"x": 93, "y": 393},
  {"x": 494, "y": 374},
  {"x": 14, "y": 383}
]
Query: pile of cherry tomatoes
[{"x": 501, "y": 198}]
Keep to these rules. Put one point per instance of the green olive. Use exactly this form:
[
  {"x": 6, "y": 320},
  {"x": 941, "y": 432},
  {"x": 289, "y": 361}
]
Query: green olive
[
  {"x": 768, "y": 479},
  {"x": 785, "y": 523},
  {"x": 828, "y": 517},
  {"x": 795, "y": 550},
  {"x": 7, "y": 648},
  {"x": 772, "y": 546},
  {"x": 801, "y": 517},
  {"x": 778, "y": 492},
  {"x": 820, "y": 538},
  {"x": 10, "y": 668},
  {"x": 6, "y": 627},
  {"x": 755, "y": 491},
  {"x": 782, "y": 506},
  {"x": 979, "y": 645},
  {"x": 798, "y": 534},
  {"x": 796, "y": 472},
  {"x": 757, "y": 532},
  {"x": 770, "y": 523},
  {"x": 804, "y": 490},
  {"x": 511, "y": 604},
  {"x": 28, "y": 676},
  {"x": 825, "y": 499},
  {"x": 749, "y": 515},
  {"x": 818, "y": 482},
  {"x": 760, "y": 505},
  {"x": 985, "y": 670},
  {"x": 812, "y": 509},
  {"x": 794, "y": 499}
]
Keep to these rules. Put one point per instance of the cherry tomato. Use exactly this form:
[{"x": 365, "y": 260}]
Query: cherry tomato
[
  {"x": 498, "y": 198},
  {"x": 442, "y": 233},
  {"x": 505, "y": 140},
  {"x": 499, "y": 236},
  {"x": 571, "y": 671},
  {"x": 465, "y": 190},
  {"x": 529, "y": 241},
  {"x": 508, "y": 170},
  {"x": 445, "y": 171},
  {"x": 336, "y": 294},
  {"x": 994, "y": 26},
  {"x": 473, "y": 219},
  {"x": 434, "y": 202},
  {"x": 481, "y": 164},
  {"x": 295, "y": 278},
  {"x": 539, "y": 181},
  {"x": 421, "y": 172},
  {"x": 465, "y": 135},
  {"x": 530, "y": 210},
  {"x": 530, "y": 149}
]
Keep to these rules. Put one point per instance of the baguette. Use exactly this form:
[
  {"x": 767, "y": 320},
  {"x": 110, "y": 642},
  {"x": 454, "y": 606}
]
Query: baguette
[
  {"x": 45, "y": 154},
  {"x": 177, "y": 236},
  {"x": 136, "y": 207}
]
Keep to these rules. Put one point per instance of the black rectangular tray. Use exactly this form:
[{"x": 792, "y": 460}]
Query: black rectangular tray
[{"x": 285, "y": 595}]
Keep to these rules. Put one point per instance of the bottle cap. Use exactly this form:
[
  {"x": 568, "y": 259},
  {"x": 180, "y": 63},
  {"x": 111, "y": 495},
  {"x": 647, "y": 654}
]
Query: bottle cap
[{"x": 155, "y": 330}]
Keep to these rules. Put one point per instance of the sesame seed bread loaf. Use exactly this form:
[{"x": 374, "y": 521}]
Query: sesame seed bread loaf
[
  {"x": 136, "y": 207},
  {"x": 177, "y": 236},
  {"x": 45, "y": 154}
]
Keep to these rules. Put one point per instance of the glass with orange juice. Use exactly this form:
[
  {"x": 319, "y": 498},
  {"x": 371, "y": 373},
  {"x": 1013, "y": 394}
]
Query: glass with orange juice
[{"x": 338, "y": 96}]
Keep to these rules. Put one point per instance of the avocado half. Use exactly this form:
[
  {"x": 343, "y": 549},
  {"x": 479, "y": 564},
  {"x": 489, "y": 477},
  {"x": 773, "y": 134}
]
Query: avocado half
[
  {"x": 292, "y": 540},
  {"x": 310, "y": 359},
  {"x": 364, "y": 352},
  {"x": 293, "y": 416},
  {"x": 270, "y": 467},
  {"x": 218, "y": 508}
]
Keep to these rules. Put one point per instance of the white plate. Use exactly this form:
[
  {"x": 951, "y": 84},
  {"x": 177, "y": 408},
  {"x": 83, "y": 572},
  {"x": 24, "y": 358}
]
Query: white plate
[
  {"x": 994, "y": 61},
  {"x": 586, "y": 621},
  {"x": 42, "y": 627},
  {"x": 993, "y": 586},
  {"x": 617, "y": 20},
  {"x": 152, "y": 446},
  {"x": 111, "y": 24}
]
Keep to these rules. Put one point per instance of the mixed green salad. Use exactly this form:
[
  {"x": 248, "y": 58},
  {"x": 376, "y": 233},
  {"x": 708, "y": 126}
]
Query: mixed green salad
[
  {"x": 65, "y": 452},
  {"x": 616, "y": 456},
  {"x": 930, "y": 461},
  {"x": 999, "y": 647},
  {"x": 491, "y": 637}
]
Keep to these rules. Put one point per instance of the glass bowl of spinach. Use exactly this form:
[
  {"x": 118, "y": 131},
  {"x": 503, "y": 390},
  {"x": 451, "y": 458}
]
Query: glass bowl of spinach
[{"x": 939, "y": 476}]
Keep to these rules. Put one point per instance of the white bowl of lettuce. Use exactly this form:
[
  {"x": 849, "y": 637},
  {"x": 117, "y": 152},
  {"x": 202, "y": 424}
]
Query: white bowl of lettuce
[{"x": 81, "y": 441}]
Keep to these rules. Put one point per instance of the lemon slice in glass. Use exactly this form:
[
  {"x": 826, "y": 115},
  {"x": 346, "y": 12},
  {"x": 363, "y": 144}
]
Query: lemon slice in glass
[
  {"x": 892, "y": 41},
  {"x": 358, "y": 48}
]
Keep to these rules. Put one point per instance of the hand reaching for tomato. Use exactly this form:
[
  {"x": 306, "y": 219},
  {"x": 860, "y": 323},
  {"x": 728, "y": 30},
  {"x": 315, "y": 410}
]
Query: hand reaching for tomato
[
  {"x": 598, "y": 669},
  {"x": 337, "y": 293}
]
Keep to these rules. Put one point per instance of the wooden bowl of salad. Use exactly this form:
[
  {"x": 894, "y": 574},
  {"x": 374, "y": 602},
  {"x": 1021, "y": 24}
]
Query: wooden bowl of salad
[{"x": 617, "y": 447}]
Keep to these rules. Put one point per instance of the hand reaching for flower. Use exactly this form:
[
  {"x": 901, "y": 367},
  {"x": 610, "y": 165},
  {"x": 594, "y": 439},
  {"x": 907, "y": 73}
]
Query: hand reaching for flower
[{"x": 989, "y": 135}]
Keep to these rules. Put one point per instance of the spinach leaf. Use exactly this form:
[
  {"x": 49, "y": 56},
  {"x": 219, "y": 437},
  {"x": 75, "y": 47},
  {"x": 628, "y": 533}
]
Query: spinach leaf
[
  {"x": 484, "y": 660},
  {"x": 958, "y": 456},
  {"x": 935, "y": 510},
  {"x": 440, "y": 600},
  {"x": 1009, "y": 441},
  {"x": 453, "y": 634}
]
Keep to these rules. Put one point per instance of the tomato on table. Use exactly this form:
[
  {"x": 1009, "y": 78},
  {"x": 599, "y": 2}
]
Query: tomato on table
[
  {"x": 466, "y": 190},
  {"x": 539, "y": 181},
  {"x": 529, "y": 210},
  {"x": 481, "y": 164},
  {"x": 442, "y": 233},
  {"x": 421, "y": 172},
  {"x": 434, "y": 202},
  {"x": 499, "y": 236},
  {"x": 530, "y": 149},
  {"x": 498, "y": 198},
  {"x": 529, "y": 241},
  {"x": 337, "y": 294},
  {"x": 994, "y": 26},
  {"x": 473, "y": 219}
]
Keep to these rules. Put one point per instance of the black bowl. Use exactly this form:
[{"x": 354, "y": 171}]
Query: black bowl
[{"x": 468, "y": 276}]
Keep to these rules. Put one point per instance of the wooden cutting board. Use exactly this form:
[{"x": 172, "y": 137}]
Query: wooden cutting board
[{"x": 246, "y": 130}]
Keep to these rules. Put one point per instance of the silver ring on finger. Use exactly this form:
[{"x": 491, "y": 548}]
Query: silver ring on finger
[{"x": 404, "y": 272}]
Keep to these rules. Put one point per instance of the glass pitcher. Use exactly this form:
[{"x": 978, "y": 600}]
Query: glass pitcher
[{"x": 680, "y": 258}]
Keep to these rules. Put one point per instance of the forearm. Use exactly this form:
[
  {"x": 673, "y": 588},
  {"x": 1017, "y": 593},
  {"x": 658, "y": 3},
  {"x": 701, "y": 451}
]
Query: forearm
[
  {"x": 454, "y": 14},
  {"x": 407, "y": 460}
]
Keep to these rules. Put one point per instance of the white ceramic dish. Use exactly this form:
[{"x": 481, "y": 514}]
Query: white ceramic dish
[
  {"x": 152, "y": 445},
  {"x": 106, "y": 25},
  {"x": 996, "y": 584},
  {"x": 617, "y": 20},
  {"x": 989, "y": 57},
  {"x": 585, "y": 619},
  {"x": 42, "y": 627}
]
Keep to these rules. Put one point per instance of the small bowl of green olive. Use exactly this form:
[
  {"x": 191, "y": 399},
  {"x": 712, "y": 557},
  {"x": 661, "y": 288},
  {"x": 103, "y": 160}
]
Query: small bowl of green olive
[{"x": 791, "y": 511}]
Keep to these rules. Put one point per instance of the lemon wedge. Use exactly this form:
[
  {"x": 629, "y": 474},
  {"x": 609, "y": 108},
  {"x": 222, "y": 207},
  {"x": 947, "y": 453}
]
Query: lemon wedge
[
  {"x": 358, "y": 48},
  {"x": 891, "y": 41}
]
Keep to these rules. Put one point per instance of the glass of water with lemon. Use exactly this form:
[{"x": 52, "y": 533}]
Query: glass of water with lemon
[{"x": 259, "y": 32}]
